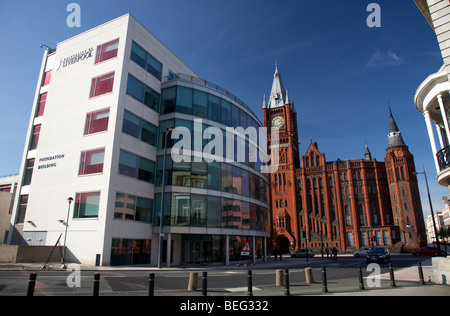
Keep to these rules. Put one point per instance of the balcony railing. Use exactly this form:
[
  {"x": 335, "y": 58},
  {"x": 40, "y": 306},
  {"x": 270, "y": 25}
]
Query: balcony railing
[
  {"x": 208, "y": 84},
  {"x": 443, "y": 158}
]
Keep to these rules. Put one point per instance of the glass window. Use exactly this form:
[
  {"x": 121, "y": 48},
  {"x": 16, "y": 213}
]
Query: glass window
[
  {"x": 214, "y": 176},
  {"x": 214, "y": 108},
  {"x": 181, "y": 174},
  {"x": 227, "y": 178},
  {"x": 146, "y": 61},
  {"x": 198, "y": 210},
  {"x": 144, "y": 210},
  {"x": 168, "y": 100},
  {"x": 146, "y": 170},
  {"x": 151, "y": 99},
  {"x": 121, "y": 252},
  {"x": 128, "y": 164},
  {"x": 41, "y": 105},
  {"x": 138, "y": 128},
  {"x": 143, "y": 93},
  {"x": 23, "y": 202},
  {"x": 129, "y": 207},
  {"x": 107, "y": 51},
  {"x": 227, "y": 212},
  {"x": 125, "y": 206},
  {"x": 87, "y": 205},
  {"x": 214, "y": 216},
  {"x": 48, "y": 77},
  {"x": 135, "y": 88},
  {"x": 226, "y": 113},
  {"x": 102, "y": 85},
  {"x": 28, "y": 172},
  {"x": 131, "y": 124},
  {"x": 181, "y": 209},
  {"x": 200, "y": 106},
  {"x": 163, "y": 126},
  {"x": 237, "y": 181},
  {"x": 148, "y": 133},
  {"x": 92, "y": 161},
  {"x": 199, "y": 175},
  {"x": 35, "y": 137},
  {"x": 184, "y": 100},
  {"x": 138, "y": 55},
  {"x": 96, "y": 122}
]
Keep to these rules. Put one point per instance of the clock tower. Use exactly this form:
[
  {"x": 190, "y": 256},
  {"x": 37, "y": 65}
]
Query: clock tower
[{"x": 279, "y": 113}]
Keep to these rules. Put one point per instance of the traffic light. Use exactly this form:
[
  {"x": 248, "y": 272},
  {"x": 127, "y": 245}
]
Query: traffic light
[{"x": 304, "y": 232}]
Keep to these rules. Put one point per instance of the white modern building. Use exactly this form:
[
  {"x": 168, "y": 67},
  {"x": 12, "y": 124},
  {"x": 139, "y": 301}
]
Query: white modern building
[
  {"x": 104, "y": 102},
  {"x": 432, "y": 97}
]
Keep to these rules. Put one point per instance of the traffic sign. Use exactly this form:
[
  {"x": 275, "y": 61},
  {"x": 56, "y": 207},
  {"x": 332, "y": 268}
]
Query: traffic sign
[{"x": 246, "y": 250}]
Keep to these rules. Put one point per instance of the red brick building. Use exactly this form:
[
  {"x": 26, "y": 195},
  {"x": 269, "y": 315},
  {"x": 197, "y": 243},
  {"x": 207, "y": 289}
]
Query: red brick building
[{"x": 345, "y": 204}]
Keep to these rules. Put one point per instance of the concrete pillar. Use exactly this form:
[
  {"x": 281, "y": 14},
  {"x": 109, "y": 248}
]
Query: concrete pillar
[{"x": 432, "y": 139}]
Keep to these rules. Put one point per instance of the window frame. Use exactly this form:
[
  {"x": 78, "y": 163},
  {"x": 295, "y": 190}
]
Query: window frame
[
  {"x": 89, "y": 122},
  {"x": 100, "y": 51},
  {"x": 96, "y": 83},
  {"x": 96, "y": 168}
]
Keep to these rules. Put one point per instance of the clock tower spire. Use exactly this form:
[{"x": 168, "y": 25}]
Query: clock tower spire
[{"x": 279, "y": 114}]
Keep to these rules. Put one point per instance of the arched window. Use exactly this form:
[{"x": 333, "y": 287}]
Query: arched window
[
  {"x": 361, "y": 215},
  {"x": 348, "y": 217}
]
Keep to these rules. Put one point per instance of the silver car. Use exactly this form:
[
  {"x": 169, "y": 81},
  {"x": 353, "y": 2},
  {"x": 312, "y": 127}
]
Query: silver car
[
  {"x": 302, "y": 253},
  {"x": 362, "y": 252}
]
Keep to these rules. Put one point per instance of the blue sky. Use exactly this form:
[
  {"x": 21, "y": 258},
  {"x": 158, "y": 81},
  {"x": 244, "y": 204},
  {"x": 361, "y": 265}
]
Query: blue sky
[{"x": 340, "y": 73}]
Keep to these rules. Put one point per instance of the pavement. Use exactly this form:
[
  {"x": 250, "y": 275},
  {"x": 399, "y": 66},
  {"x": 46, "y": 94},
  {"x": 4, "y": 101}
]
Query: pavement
[{"x": 407, "y": 281}]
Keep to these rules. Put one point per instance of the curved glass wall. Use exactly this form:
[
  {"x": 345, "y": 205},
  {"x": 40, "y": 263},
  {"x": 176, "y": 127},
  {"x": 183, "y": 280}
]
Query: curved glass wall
[{"x": 230, "y": 194}]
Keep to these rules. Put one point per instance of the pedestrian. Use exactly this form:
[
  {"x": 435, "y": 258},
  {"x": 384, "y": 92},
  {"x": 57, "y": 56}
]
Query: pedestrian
[
  {"x": 327, "y": 251},
  {"x": 335, "y": 252}
]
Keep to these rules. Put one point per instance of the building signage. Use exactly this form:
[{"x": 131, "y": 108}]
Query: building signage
[
  {"x": 49, "y": 162},
  {"x": 83, "y": 55}
]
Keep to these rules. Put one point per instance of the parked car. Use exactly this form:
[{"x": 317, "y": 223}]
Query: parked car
[
  {"x": 302, "y": 253},
  {"x": 427, "y": 251},
  {"x": 379, "y": 255},
  {"x": 362, "y": 252}
]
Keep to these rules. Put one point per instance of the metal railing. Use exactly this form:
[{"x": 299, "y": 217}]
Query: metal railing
[
  {"x": 443, "y": 157},
  {"x": 208, "y": 84}
]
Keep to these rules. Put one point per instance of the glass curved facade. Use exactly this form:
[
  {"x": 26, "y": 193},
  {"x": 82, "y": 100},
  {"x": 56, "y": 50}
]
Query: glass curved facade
[{"x": 224, "y": 199}]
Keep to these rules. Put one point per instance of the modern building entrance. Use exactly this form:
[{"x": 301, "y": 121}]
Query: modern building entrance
[{"x": 196, "y": 249}]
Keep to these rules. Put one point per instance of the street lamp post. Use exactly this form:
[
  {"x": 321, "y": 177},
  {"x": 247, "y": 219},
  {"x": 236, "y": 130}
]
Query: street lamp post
[
  {"x": 431, "y": 209},
  {"x": 161, "y": 235},
  {"x": 63, "y": 258}
]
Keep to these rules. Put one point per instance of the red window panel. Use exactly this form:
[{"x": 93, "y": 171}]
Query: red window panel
[
  {"x": 96, "y": 122},
  {"x": 101, "y": 85},
  {"x": 35, "y": 137},
  {"x": 92, "y": 161},
  {"x": 41, "y": 106},
  {"x": 48, "y": 77},
  {"x": 107, "y": 51}
]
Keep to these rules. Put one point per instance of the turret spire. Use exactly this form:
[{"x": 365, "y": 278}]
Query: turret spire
[{"x": 395, "y": 136}]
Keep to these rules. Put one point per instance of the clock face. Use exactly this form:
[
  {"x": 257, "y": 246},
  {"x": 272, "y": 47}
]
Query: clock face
[{"x": 278, "y": 122}]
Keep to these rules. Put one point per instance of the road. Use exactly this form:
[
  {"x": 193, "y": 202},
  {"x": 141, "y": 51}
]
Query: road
[{"x": 342, "y": 275}]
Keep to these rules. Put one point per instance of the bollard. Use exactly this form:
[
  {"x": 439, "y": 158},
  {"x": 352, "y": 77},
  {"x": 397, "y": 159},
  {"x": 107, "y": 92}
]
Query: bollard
[
  {"x": 205, "y": 284},
  {"x": 361, "y": 280},
  {"x": 391, "y": 272},
  {"x": 151, "y": 285},
  {"x": 324, "y": 280},
  {"x": 96, "y": 284},
  {"x": 249, "y": 283},
  {"x": 309, "y": 276},
  {"x": 286, "y": 283},
  {"x": 422, "y": 280},
  {"x": 31, "y": 284},
  {"x": 279, "y": 278},
  {"x": 193, "y": 281}
]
